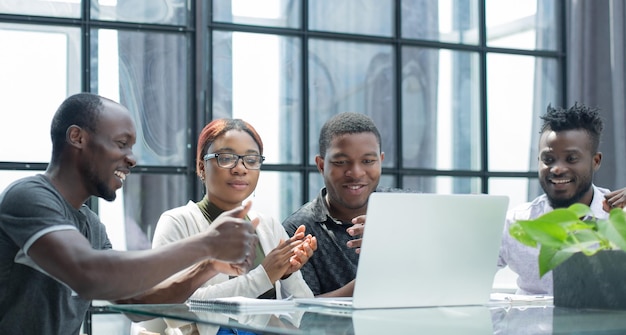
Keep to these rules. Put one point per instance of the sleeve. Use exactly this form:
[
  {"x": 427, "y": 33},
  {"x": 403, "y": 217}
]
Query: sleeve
[
  {"x": 251, "y": 285},
  {"x": 45, "y": 213},
  {"x": 503, "y": 256}
]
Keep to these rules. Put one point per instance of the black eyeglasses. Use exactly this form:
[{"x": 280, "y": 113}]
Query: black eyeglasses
[{"x": 229, "y": 161}]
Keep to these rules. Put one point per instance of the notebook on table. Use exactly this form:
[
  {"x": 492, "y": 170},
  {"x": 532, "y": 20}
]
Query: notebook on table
[{"x": 423, "y": 250}]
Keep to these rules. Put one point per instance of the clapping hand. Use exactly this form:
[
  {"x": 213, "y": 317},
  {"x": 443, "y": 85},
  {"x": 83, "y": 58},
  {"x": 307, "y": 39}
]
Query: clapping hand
[{"x": 302, "y": 252}]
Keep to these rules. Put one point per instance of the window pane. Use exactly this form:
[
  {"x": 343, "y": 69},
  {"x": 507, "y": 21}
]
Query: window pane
[
  {"x": 57, "y": 8},
  {"x": 276, "y": 13},
  {"x": 131, "y": 218},
  {"x": 316, "y": 182},
  {"x": 352, "y": 77},
  {"x": 369, "y": 17},
  {"x": 442, "y": 184},
  {"x": 520, "y": 88},
  {"x": 277, "y": 194},
  {"x": 519, "y": 190},
  {"x": 147, "y": 73},
  {"x": 40, "y": 67},
  {"x": 522, "y": 24},
  {"x": 174, "y": 12},
  {"x": 256, "y": 77},
  {"x": 440, "y": 109},
  {"x": 441, "y": 20}
]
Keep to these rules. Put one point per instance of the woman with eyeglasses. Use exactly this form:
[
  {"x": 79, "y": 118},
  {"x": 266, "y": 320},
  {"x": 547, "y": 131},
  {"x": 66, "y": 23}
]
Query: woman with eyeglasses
[{"x": 229, "y": 158}]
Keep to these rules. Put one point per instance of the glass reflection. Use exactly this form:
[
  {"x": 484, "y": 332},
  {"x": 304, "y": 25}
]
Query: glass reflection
[
  {"x": 40, "y": 67},
  {"x": 522, "y": 24},
  {"x": 149, "y": 74},
  {"x": 174, "y": 12},
  {"x": 275, "y": 13},
  {"x": 519, "y": 190},
  {"x": 442, "y": 184},
  {"x": 56, "y": 8},
  {"x": 452, "y": 21},
  {"x": 277, "y": 194},
  {"x": 352, "y": 77},
  {"x": 440, "y": 110},
  {"x": 369, "y": 17},
  {"x": 521, "y": 87},
  {"x": 257, "y": 77},
  {"x": 131, "y": 218}
]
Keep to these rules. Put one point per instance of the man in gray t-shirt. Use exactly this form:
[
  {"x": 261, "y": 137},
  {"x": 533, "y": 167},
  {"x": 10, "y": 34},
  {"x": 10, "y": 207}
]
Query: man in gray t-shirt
[{"x": 55, "y": 255}]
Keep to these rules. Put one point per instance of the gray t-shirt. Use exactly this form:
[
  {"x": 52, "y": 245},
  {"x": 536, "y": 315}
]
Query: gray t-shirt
[{"x": 32, "y": 302}]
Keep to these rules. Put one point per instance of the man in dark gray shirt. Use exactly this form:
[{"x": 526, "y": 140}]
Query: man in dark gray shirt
[{"x": 350, "y": 160}]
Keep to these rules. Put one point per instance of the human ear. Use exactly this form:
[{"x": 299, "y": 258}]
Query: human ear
[
  {"x": 319, "y": 161},
  {"x": 74, "y": 136},
  {"x": 597, "y": 159},
  {"x": 201, "y": 171}
]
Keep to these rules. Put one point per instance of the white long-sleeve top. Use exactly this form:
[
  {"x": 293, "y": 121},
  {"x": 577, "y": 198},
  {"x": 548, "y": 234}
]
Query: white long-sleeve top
[{"x": 181, "y": 222}]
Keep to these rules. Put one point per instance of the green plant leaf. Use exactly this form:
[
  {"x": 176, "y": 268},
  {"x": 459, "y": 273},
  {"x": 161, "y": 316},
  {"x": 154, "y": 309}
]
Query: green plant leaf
[
  {"x": 587, "y": 241},
  {"x": 580, "y": 210},
  {"x": 550, "y": 258},
  {"x": 562, "y": 233},
  {"x": 517, "y": 232},
  {"x": 550, "y": 228},
  {"x": 614, "y": 229}
]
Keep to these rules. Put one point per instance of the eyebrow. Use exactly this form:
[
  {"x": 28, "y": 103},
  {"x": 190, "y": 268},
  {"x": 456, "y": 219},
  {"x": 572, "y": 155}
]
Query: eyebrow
[{"x": 231, "y": 150}]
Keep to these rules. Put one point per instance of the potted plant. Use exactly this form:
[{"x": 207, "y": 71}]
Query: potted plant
[{"x": 586, "y": 255}]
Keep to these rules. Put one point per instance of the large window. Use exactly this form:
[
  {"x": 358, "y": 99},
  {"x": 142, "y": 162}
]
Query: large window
[{"x": 455, "y": 86}]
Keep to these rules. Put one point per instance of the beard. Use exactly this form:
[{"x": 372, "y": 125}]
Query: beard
[
  {"x": 584, "y": 186},
  {"x": 105, "y": 192},
  {"x": 102, "y": 189}
]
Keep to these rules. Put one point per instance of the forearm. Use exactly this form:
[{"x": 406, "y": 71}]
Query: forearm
[
  {"x": 147, "y": 273},
  {"x": 344, "y": 291},
  {"x": 110, "y": 274}
]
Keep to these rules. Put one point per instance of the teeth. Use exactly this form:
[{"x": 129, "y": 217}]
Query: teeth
[
  {"x": 561, "y": 181},
  {"x": 120, "y": 175},
  {"x": 354, "y": 187}
]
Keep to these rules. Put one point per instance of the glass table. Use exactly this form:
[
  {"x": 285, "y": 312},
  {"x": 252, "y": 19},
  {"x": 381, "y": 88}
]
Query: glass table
[{"x": 501, "y": 318}]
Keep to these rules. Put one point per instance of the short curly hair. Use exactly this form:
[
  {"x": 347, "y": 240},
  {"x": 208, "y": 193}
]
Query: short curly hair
[
  {"x": 578, "y": 116},
  {"x": 346, "y": 123},
  {"x": 83, "y": 110}
]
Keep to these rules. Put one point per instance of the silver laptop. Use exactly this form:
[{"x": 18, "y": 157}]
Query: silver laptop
[{"x": 424, "y": 250}]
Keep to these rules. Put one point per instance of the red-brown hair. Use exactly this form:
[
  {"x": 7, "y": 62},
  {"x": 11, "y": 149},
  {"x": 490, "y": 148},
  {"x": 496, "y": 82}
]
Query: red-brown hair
[{"x": 217, "y": 128}]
